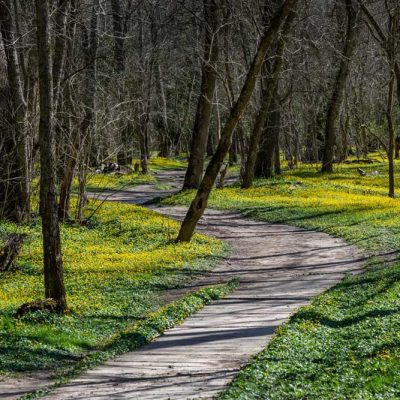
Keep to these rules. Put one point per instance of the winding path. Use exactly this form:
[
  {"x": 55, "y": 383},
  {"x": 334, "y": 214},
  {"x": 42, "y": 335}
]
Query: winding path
[{"x": 280, "y": 268}]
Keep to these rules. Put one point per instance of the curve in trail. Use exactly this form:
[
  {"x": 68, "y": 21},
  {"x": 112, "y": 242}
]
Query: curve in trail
[{"x": 280, "y": 268}]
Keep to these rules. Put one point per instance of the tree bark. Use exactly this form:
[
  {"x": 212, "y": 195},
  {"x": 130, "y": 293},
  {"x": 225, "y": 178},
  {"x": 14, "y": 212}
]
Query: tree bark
[
  {"x": 124, "y": 156},
  {"x": 81, "y": 134},
  {"x": 335, "y": 103},
  {"x": 266, "y": 156},
  {"x": 119, "y": 36},
  {"x": 267, "y": 94},
  {"x": 389, "y": 116},
  {"x": 200, "y": 132},
  {"x": 199, "y": 203},
  {"x": 53, "y": 266},
  {"x": 142, "y": 107},
  {"x": 59, "y": 46},
  {"x": 15, "y": 169}
]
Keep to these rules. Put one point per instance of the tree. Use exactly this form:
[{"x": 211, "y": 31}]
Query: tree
[
  {"x": 199, "y": 203},
  {"x": 268, "y": 92},
  {"x": 52, "y": 258},
  {"x": 390, "y": 44},
  {"x": 336, "y": 100},
  {"x": 14, "y": 171},
  {"x": 200, "y": 133},
  {"x": 81, "y": 139}
]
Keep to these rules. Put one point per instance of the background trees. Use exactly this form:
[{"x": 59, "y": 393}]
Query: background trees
[
  {"x": 198, "y": 143},
  {"x": 132, "y": 79}
]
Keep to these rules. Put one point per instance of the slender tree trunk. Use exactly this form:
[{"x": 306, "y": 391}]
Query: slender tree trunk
[
  {"x": 124, "y": 156},
  {"x": 15, "y": 172},
  {"x": 333, "y": 114},
  {"x": 200, "y": 132},
  {"x": 394, "y": 25},
  {"x": 143, "y": 108},
  {"x": 60, "y": 29},
  {"x": 82, "y": 177},
  {"x": 397, "y": 74},
  {"x": 266, "y": 160},
  {"x": 277, "y": 157},
  {"x": 267, "y": 95},
  {"x": 119, "y": 36},
  {"x": 389, "y": 115},
  {"x": 389, "y": 44},
  {"x": 142, "y": 128},
  {"x": 83, "y": 131},
  {"x": 199, "y": 203},
  {"x": 238, "y": 134},
  {"x": 53, "y": 266},
  {"x": 165, "y": 141}
]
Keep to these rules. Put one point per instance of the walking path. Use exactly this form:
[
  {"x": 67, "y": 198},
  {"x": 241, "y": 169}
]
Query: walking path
[{"x": 280, "y": 268}]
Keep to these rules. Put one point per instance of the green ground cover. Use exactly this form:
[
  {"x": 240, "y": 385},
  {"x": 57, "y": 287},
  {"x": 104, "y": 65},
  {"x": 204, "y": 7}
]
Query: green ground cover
[
  {"x": 116, "y": 270},
  {"x": 143, "y": 332},
  {"x": 346, "y": 344}
]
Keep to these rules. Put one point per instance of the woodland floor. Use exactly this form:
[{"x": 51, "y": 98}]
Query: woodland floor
[{"x": 279, "y": 267}]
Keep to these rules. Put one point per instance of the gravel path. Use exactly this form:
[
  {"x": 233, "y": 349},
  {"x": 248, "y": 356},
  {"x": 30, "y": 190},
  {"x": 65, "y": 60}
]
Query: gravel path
[{"x": 280, "y": 268}]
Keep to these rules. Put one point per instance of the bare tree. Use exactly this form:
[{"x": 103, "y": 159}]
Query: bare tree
[
  {"x": 81, "y": 145},
  {"x": 199, "y": 203},
  {"x": 390, "y": 43},
  {"x": 53, "y": 266},
  {"x": 268, "y": 92},
  {"x": 335, "y": 103},
  {"x": 14, "y": 171},
  {"x": 200, "y": 133}
]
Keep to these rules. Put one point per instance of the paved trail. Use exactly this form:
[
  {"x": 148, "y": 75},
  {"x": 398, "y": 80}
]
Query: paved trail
[{"x": 280, "y": 268}]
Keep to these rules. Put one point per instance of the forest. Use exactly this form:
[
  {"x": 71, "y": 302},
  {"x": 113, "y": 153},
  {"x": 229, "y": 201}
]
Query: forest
[{"x": 198, "y": 199}]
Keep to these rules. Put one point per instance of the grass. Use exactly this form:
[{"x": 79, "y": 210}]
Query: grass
[
  {"x": 116, "y": 270},
  {"x": 346, "y": 344},
  {"x": 144, "y": 331},
  {"x": 106, "y": 182}
]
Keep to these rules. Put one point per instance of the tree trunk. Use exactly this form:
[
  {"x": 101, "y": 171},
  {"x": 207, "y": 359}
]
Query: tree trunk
[
  {"x": 238, "y": 132},
  {"x": 83, "y": 131},
  {"x": 163, "y": 131},
  {"x": 60, "y": 34},
  {"x": 389, "y": 115},
  {"x": 199, "y": 203},
  {"x": 394, "y": 25},
  {"x": 53, "y": 266},
  {"x": 119, "y": 36},
  {"x": 143, "y": 152},
  {"x": 335, "y": 103},
  {"x": 200, "y": 132},
  {"x": 267, "y": 95},
  {"x": 124, "y": 156},
  {"x": 141, "y": 111},
  {"x": 266, "y": 159},
  {"x": 15, "y": 169}
]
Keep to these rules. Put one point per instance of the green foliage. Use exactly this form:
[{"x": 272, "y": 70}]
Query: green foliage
[
  {"x": 111, "y": 182},
  {"x": 345, "y": 345},
  {"x": 144, "y": 331}
]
